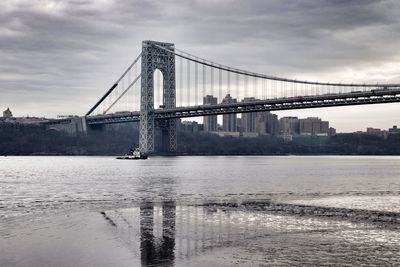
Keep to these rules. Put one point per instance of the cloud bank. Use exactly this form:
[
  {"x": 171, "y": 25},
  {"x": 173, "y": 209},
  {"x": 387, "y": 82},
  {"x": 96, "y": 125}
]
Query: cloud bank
[{"x": 58, "y": 57}]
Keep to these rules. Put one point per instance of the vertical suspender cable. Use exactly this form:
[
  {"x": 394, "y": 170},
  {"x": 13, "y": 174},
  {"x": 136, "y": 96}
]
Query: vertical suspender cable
[
  {"x": 139, "y": 95},
  {"x": 271, "y": 87},
  {"x": 212, "y": 80},
  {"x": 284, "y": 85},
  {"x": 285, "y": 88},
  {"x": 261, "y": 89},
  {"x": 119, "y": 107},
  {"x": 220, "y": 84},
  {"x": 188, "y": 83},
  {"x": 264, "y": 85},
  {"x": 114, "y": 95},
  {"x": 229, "y": 82},
  {"x": 134, "y": 91},
  {"x": 180, "y": 82},
  {"x": 255, "y": 87},
  {"x": 120, "y": 89},
  {"x": 204, "y": 82},
  {"x": 277, "y": 83},
  {"x": 292, "y": 90},
  {"x": 237, "y": 87},
  {"x": 196, "y": 83},
  {"x": 126, "y": 98},
  {"x": 245, "y": 85}
]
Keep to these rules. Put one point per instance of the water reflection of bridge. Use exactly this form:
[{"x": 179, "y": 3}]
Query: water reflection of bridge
[
  {"x": 163, "y": 232},
  {"x": 167, "y": 233}
]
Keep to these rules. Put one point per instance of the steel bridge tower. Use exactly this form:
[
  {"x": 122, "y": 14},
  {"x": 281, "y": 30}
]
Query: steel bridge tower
[{"x": 153, "y": 58}]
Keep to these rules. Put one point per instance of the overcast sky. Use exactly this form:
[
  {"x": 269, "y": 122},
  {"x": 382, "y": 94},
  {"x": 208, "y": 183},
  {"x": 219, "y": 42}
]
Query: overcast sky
[{"x": 59, "y": 57}]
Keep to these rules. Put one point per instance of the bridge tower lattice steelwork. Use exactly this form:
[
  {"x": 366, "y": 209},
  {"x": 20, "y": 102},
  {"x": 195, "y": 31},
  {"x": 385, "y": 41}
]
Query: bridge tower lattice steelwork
[{"x": 153, "y": 58}]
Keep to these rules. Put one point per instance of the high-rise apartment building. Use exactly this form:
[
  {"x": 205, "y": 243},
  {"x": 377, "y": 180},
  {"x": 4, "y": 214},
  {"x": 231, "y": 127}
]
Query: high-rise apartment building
[
  {"x": 289, "y": 126},
  {"x": 267, "y": 123},
  {"x": 249, "y": 119},
  {"x": 313, "y": 126},
  {"x": 210, "y": 122},
  {"x": 229, "y": 120}
]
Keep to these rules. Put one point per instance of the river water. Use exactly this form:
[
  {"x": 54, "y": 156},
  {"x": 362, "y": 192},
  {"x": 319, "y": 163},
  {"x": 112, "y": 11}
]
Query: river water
[{"x": 200, "y": 211}]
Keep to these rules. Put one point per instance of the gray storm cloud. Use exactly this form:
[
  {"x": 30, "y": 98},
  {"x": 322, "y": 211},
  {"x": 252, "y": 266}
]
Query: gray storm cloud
[{"x": 58, "y": 57}]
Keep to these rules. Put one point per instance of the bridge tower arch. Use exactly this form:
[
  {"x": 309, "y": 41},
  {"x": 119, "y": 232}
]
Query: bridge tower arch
[{"x": 153, "y": 58}]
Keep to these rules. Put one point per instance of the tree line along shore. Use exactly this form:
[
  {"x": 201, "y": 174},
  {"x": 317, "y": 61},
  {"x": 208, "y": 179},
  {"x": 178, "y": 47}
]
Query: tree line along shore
[{"x": 19, "y": 139}]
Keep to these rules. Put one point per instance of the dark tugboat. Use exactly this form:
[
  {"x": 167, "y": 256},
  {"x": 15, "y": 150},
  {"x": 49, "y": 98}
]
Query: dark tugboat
[{"x": 134, "y": 154}]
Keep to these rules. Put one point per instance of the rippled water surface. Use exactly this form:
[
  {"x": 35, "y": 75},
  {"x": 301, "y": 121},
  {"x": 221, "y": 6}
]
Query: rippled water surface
[{"x": 191, "y": 211}]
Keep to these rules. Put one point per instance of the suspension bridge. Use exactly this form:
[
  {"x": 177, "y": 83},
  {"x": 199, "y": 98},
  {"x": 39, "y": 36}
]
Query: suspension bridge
[{"x": 164, "y": 83}]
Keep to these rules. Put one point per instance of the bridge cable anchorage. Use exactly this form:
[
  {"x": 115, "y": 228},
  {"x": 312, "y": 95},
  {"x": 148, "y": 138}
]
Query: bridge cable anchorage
[
  {"x": 114, "y": 85},
  {"x": 209, "y": 63},
  {"x": 123, "y": 93}
]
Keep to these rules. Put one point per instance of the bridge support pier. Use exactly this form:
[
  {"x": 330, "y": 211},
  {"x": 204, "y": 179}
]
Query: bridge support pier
[
  {"x": 168, "y": 135},
  {"x": 153, "y": 58}
]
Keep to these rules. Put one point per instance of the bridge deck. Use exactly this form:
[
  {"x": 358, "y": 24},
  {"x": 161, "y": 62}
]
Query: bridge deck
[{"x": 328, "y": 100}]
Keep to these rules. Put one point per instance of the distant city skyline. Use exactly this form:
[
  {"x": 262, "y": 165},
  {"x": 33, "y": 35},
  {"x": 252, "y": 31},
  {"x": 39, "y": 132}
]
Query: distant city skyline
[
  {"x": 250, "y": 124},
  {"x": 59, "y": 57},
  {"x": 217, "y": 120}
]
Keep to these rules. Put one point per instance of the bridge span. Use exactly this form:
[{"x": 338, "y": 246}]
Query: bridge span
[{"x": 306, "y": 102}]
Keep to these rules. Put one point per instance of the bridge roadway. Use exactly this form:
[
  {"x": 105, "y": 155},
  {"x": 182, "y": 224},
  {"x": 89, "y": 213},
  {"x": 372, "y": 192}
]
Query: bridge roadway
[{"x": 377, "y": 96}]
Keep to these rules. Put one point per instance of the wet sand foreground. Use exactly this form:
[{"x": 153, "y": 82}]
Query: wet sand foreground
[{"x": 259, "y": 232}]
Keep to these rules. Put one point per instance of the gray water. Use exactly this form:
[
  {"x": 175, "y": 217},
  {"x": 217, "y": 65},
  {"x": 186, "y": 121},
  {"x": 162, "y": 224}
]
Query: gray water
[{"x": 191, "y": 211}]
